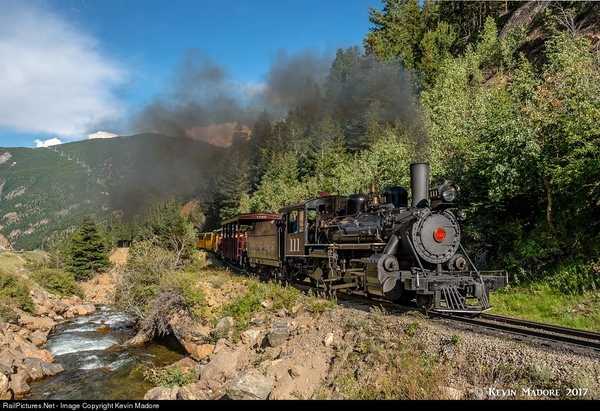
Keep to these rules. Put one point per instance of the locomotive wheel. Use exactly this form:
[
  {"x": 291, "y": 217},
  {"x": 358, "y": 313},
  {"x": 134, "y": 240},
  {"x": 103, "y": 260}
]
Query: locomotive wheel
[{"x": 425, "y": 302}]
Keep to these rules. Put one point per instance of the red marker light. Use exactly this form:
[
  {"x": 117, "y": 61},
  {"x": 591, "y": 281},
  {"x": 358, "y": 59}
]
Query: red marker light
[{"x": 439, "y": 234}]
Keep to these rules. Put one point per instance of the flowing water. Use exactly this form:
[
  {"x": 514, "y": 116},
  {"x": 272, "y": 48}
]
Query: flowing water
[{"x": 93, "y": 369}]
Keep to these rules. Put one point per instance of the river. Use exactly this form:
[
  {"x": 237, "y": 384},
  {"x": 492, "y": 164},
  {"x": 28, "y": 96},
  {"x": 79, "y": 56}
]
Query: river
[{"x": 94, "y": 370}]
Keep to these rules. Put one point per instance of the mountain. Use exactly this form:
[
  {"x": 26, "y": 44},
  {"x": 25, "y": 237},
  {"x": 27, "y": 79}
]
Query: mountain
[{"x": 46, "y": 192}]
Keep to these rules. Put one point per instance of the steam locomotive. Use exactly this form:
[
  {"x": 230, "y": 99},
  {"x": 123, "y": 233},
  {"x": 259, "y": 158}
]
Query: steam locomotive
[{"x": 371, "y": 244}]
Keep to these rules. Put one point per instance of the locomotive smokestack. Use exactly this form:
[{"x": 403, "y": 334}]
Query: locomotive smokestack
[{"x": 419, "y": 184}]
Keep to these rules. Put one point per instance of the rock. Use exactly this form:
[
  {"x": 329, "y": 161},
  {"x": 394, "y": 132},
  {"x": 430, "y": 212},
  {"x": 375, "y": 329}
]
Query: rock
[
  {"x": 250, "y": 385},
  {"x": 186, "y": 364},
  {"x": 250, "y": 336},
  {"x": 40, "y": 324},
  {"x": 18, "y": 384},
  {"x": 5, "y": 394},
  {"x": 279, "y": 334},
  {"x": 198, "y": 352},
  {"x": 22, "y": 359},
  {"x": 162, "y": 393},
  {"x": 195, "y": 391},
  {"x": 221, "y": 367}
]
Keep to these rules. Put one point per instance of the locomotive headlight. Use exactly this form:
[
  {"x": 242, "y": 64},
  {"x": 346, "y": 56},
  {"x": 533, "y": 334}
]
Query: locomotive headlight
[{"x": 449, "y": 193}]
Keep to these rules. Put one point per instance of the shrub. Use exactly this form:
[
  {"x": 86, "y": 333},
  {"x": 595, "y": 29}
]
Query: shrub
[
  {"x": 243, "y": 307},
  {"x": 193, "y": 297},
  {"x": 14, "y": 292},
  {"x": 170, "y": 376},
  {"x": 58, "y": 282}
]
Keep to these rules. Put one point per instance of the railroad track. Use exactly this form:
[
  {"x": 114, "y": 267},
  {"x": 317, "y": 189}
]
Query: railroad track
[
  {"x": 545, "y": 334},
  {"x": 571, "y": 339}
]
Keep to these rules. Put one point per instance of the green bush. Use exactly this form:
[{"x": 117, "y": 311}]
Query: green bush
[
  {"x": 170, "y": 376},
  {"x": 576, "y": 278},
  {"x": 7, "y": 312},
  {"x": 140, "y": 280},
  {"x": 14, "y": 292},
  {"x": 193, "y": 297},
  {"x": 318, "y": 306},
  {"x": 57, "y": 281},
  {"x": 245, "y": 306}
]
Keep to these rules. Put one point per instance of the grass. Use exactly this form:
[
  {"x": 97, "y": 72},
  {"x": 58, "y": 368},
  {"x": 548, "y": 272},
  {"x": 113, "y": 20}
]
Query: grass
[
  {"x": 11, "y": 262},
  {"x": 541, "y": 303}
]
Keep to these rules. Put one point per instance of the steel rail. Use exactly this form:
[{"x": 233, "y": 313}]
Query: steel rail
[{"x": 546, "y": 332}]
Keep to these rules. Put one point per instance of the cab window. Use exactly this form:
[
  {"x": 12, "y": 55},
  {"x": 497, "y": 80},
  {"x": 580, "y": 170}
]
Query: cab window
[{"x": 292, "y": 222}]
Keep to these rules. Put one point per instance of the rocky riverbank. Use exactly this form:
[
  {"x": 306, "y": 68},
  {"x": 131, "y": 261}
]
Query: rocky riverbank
[
  {"x": 354, "y": 352},
  {"x": 22, "y": 357},
  {"x": 342, "y": 353}
]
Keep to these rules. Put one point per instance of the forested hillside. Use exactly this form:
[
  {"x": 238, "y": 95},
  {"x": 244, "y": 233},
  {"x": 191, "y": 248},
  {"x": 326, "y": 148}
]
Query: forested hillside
[
  {"x": 46, "y": 193},
  {"x": 500, "y": 97}
]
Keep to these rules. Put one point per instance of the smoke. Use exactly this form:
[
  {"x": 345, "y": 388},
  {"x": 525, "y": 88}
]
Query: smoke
[
  {"x": 217, "y": 134},
  {"x": 290, "y": 77},
  {"x": 202, "y": 101}
]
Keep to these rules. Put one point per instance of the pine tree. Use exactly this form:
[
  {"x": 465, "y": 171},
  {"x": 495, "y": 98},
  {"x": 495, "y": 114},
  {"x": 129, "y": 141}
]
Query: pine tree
[
  {"x": 397, "y": 33},
  {"x": 87, "y": 253}
]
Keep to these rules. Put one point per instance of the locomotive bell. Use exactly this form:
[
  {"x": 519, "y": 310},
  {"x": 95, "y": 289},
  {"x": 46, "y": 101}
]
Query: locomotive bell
[{"x": 374, "y": 197}]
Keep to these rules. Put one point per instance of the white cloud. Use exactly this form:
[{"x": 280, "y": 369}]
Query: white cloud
[
  {"x": 54, "y": 80},
  {"x": 47, "y": 143},
  {"x": 101, "y": 134}
]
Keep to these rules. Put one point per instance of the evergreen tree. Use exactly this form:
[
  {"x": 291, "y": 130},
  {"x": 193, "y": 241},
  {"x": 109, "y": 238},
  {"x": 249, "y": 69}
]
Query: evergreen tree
[
  {"x": 87, "y": 253},
  {"x": 468, "y": 17},
  {"x": 232, "y": 184},
  {"x": 339, "y": 90},
  {"x": 435, "y": 48},
  {"x": 262, "y": 131},
  {"x": 398, "y": 31}
]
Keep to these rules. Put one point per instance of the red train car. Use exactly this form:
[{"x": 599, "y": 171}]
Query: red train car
[{"x": 234, "y": 244}]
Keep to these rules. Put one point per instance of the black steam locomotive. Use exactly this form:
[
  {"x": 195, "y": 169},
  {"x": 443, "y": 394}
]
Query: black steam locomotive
[{"x": 375, "y": 245}]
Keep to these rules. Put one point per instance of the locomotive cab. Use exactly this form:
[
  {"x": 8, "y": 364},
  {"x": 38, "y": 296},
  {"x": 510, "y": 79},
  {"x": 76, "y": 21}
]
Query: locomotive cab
[{"x": 305, "y": 222}]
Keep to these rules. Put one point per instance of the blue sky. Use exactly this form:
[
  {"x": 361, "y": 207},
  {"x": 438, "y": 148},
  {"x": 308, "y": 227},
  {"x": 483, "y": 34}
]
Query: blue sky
[{"x": 77, "y": 69}]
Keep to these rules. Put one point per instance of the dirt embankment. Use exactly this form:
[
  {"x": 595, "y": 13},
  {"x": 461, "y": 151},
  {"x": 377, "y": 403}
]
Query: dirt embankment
[{"x": 101, "y": 288}]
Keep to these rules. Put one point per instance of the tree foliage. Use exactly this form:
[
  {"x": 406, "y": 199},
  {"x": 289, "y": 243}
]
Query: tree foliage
[
  {"x": 398, "y": 32},
  {"x": 86, "y": 251},
  {"x": 166, "y": 226}
]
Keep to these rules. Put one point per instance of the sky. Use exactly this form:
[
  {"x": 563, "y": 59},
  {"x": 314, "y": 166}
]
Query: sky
[{"x": 77, "y": 69}]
